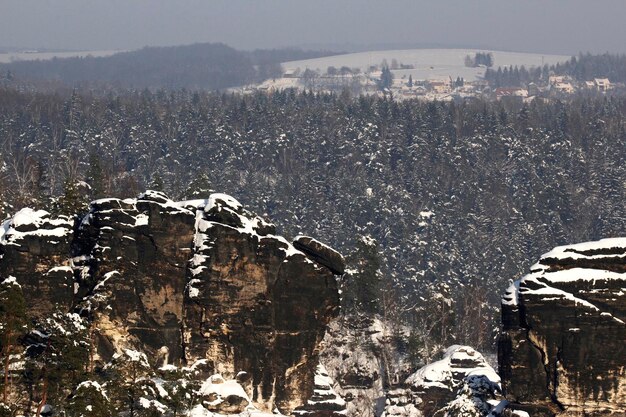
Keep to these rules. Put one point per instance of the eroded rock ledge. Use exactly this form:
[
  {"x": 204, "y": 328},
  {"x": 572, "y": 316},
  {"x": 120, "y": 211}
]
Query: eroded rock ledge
[
  {"x": 183, "y": 282},
  {"x": 562, "y": 350}
]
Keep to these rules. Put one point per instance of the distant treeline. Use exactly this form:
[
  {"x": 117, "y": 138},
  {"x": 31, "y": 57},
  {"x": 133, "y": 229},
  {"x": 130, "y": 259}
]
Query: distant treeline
[
  {"x": 587, "y": 66},
  {"x": 206, "y": 66},
  {"x": 480, "y": 58},
  {"x": 583, "y": 67}
]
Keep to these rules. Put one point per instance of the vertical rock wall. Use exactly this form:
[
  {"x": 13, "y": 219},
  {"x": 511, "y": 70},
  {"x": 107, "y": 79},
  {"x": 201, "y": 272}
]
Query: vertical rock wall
[
  {"x": 202, "y": 280},
  {"x": 562, "y": 350},
  {"x": 36, "y": 248}
]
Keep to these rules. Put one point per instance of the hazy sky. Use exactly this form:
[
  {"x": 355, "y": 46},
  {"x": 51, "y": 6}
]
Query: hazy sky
[{"x": 558, "y": 26}]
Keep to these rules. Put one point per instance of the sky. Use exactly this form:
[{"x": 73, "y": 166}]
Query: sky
[{"x": 546, "y": 26}]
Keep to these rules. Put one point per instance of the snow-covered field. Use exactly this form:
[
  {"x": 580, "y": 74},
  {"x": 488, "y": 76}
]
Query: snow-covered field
[
  {"x": 428, "y": 63},
  {"x": 32, "y": 56}
]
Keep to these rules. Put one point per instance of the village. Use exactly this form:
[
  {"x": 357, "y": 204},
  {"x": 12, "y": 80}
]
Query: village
[{"x": 396, "y": 80}]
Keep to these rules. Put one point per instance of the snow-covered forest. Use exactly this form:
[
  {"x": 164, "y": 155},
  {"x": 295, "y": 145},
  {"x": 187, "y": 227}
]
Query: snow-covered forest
[{"x": 431, "y": 201}]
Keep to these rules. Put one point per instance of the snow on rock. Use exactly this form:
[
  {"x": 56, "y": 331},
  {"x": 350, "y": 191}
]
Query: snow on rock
[
  {"x": 224, "y": 396},
  {"x": 35, "y": 249},
  {"x": 457, "y": 363},
  {"x": 136, "y": 356},
  {"x": 321, "y": 253},
  {"x": 572, "y": 274},
  {"x": 437, "y": 384},
  {"x": 205, "y": 278},
  {"x": 324, "y": 402},
  {"x": 4, "y": 228},
  {"x": 11, "y": 280},
  {"x": 27, "y": 218},
  {"x": 157, "y": 196},
  {"x": 567, "y": 314},
  {"x": 511, "y": 295},
  {"x": 592, "y": 250},
  {"x": 219, "y": 199},
  {"x": 28, "y": 222},
  {"x": 225, "y": 209}
]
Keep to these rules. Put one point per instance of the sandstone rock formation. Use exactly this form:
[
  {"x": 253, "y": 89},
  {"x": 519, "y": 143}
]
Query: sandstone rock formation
[
  {"x": 350, "y": 355},
  {"x": 562, "y": 350},
  {"x": 184, "y": 282},
  {"x": 325, "y": 402},
  {"x": 35, "y": 247},
  {"x": 437, "y": 384}
]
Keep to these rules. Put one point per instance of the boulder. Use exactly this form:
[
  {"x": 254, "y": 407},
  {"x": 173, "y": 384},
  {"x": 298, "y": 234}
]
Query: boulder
[{"x": 320, "y": 253}]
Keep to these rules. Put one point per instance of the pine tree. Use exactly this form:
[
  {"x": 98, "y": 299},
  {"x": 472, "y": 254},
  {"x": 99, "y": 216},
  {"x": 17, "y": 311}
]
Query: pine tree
[
  {"x": 95, "y": 177},
  {"x": 199, "y": 187},
  {"x": 128, "y": 380},
  {"x": 364, "y": 288},
  {"x": 386, "y": 78},
  {"x": 472, "y": 399},
  {"x": 89, "y": 400},
  {"x": 157, "y": 183},
  {"x": 433, "y": 320},
  {"x": 57, "y": 358},
  {"x": 74, "y": 199},
  {"x": 6, "y": 411}
]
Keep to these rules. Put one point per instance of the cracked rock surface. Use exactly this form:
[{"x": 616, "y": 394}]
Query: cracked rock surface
[
  {"x": 562, "y": 350},
  {"x": 203, "y": 280}
]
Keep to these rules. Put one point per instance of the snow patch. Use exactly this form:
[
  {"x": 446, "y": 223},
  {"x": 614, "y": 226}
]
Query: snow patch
[
  {"x": 442, "y": 373},
  {"x": 141, "y": 220},
  {"x": 216, "y": 386}
]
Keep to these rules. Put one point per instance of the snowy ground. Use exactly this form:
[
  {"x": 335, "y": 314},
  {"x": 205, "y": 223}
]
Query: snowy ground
[{"x": 429, "y": 63}]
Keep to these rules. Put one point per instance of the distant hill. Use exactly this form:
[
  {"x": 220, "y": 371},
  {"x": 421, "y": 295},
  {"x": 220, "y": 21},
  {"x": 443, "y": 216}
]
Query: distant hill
[{"x": 205, "y": 66}]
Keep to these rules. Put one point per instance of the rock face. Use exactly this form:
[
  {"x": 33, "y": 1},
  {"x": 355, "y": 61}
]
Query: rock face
[
  {"x": 438, "y": 384},
  {"x": 325, "y": 402},
  {"x": 35, "y": 248},
  {"x": 349, "y": 355},
  {"x": 562, "y": 350},
  {"x": 131, "y": 257},
  {"x": 320, "y": 253},
  {"x": 202, "y": 280}
]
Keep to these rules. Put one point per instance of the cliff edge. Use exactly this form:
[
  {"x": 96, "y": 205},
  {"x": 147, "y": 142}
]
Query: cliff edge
[
  {"x": 188, "y": 283},
  {"x": 562, "y": 350}
]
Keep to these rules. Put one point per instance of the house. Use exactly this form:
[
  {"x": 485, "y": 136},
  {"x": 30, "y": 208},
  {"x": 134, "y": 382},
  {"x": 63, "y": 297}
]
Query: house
[
  {"x": 412, "y": 91},
  {"x": 439, "y": 86},
  {"x": 291, "y": 73},
  {"x": 556, "y": 79},
  {"x": 502, "y": 92},
  {"x": 564, "y": 87},
  {"x": 602, "y": 84},
  {"x": 533, "y": 89}
]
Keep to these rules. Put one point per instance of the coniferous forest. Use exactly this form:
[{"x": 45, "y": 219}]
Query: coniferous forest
[{"x": 424, "y": 198}]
